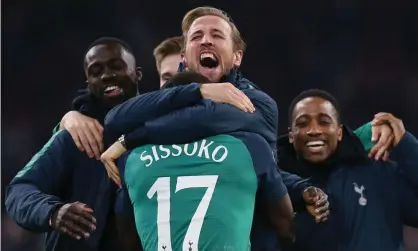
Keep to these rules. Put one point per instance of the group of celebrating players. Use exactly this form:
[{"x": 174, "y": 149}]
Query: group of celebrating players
[{"x": 198, "y": 165}]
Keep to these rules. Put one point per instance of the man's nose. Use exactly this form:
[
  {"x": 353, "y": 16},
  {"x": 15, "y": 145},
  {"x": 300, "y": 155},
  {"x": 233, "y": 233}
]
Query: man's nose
[
  {"x": 314, "y": 130},
  {"x": 206, "y": 40},
  {"x": 108, "y": 75}
]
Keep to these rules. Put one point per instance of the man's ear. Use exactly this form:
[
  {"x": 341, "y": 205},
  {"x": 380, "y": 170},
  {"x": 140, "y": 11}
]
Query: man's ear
[
  {"x": 238, "y": 58},
  {"x": 340, "y": 133},
  {"x": 138, "y": 73},
  {"x": 291, "y": 138},
  {"x": 183, "y": 59}
]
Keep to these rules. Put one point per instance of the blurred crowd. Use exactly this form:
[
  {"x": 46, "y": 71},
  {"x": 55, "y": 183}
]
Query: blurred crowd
[{"x": 363, "y": 52}]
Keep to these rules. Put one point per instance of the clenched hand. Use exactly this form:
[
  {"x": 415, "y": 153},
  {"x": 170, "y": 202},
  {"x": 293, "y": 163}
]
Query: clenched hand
[{"x": 316, "y": 203}]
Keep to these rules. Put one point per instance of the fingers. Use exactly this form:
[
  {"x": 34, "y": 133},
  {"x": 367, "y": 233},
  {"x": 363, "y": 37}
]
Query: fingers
[
  {"x": 384, "y": 148},
  {"x": 113, "y": 172},
  {"x": 323, "y": 200},
  {"x": 85, "y": 138},
  {"x": 92, "y": 141},
  {"x": 311, "y": 195},
  {"x": 386, "y": 156},
  {"x": 381, "y": 140},
  {"x": 236, "y": 101},
  {"x": 322, "y": 217},
  {"x": 244, "y": 99},
  {"x": 375, "y": 133},
  {"x": 323, "y": 208},
  {"x": 100, "y": 130},
  {"x": 384, "y": 116},
  {"x": 68, "y": 232},
  {"x": 85, "y": 131},
  {"x": 75, "y": 229},
  {"x": 385, "y": 141},
  {"x": 320, "y": 214},
  {"x": 83, "y": 220},
  {"x": 76, "y": 139},
  {"x": 97, "y": 139},
  {"x": 81, "y": 210}
]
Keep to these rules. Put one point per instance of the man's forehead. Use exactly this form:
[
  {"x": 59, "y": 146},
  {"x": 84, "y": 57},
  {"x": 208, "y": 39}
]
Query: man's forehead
[
  {"x": 210, "y": 22},
  {"x": 170, "y": 61},
  {"x": 103, "y": 51},
  {"x": 313, "y": 105}
]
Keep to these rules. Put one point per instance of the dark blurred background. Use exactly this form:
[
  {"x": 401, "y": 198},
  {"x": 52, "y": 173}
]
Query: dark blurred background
[{"x": 364, "y": 52}]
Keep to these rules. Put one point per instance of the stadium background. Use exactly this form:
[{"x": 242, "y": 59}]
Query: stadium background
[{"x": 364, "y": 52}]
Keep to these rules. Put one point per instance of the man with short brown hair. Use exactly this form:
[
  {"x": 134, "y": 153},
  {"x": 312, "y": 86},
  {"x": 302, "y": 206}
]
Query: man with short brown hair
[
  {"x": 196, "y": 13},
  {"x": 167, "y": 57}
]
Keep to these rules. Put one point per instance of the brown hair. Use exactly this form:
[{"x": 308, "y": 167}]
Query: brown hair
[
  {"x": 169, "y": 46},
  {"x": 194, "y": 14}
]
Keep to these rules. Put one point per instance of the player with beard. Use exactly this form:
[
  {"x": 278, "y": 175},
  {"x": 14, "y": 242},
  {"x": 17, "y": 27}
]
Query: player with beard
[{"x": 62, "y": 192}]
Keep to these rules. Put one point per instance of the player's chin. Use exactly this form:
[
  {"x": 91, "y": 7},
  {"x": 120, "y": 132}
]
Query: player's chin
[
  {"x": 315, "y": 158},
  {"x": 114, "y": 100}
]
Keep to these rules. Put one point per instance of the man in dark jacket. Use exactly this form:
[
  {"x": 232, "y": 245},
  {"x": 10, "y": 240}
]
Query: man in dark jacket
[
  {"x": 63, "y": 192},
  {"x": 370, "y": 200},
  {"x": 61, "y": 188}
]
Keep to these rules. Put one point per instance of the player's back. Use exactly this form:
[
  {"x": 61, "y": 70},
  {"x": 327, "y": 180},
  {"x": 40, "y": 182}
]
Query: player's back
[{"x": 196, "y": 196}]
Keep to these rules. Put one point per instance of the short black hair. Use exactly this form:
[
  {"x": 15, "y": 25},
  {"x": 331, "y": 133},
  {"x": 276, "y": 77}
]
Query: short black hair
[
  {"x": 110, "y": 40},
  {"x": 184, "y": 78},
  {"x": 314, "y": 93}
]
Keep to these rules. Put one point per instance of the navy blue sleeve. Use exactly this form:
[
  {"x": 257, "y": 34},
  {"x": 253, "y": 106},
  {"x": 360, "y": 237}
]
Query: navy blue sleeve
[
  {"x": 295, "y": 185},
  {"x": 133, "y": 113},
  {"x": 408, "y": 196},
  {"x": 270, "y": 183},
  {"x": 406, "y": 155},
  {"x": 33, "y": 194},
  {"x": 394, "y": 180},
  {"x": 208, "y": 119},
  {"x": 123, "y": 205}
]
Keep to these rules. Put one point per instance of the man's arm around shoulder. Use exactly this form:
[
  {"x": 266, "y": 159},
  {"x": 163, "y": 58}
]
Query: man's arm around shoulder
[
  {"x": 209, "y": 118},
  {"x": 133, "y": 113}
]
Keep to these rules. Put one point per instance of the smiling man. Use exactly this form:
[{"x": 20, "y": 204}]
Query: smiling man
[
  {"x": 370, "y": 200},
  {"x": 104, "y": 64},
  {"x": 61, "y": 191}
]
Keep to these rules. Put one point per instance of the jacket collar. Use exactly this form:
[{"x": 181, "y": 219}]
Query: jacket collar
[
  {"x": 234, "y": 77},
  {"x": 349, "y": 151}
]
